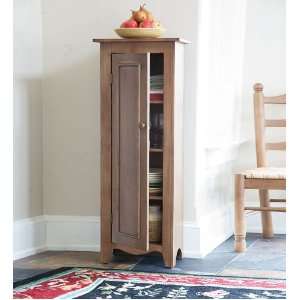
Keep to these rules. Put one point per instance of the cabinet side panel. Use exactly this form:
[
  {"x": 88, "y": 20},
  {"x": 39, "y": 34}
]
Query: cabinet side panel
[
  {"x": 178, "y": 147},
  {"x": 173, "y": 153},
  {"x": 168, "y": 158},
  {"x": 105, "y": 71}
]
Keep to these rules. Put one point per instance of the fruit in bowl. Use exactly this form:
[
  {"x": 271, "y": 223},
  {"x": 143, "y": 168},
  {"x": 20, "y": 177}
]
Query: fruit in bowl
[
  {"x": 146, "y": 24},
  {"x": 131, "y": 23},
  {"x": 141, "y": 14},
  {"x": 141, "y": 24}
]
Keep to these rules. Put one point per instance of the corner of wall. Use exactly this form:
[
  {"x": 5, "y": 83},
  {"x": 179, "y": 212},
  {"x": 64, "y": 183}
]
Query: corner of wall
[
  {"x": 199, "y": 241},
  {"x": 29, "y": 236}
]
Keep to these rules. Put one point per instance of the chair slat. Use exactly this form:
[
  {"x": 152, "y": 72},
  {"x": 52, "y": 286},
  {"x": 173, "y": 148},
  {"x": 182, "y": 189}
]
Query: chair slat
[
  {"x": 277, "y": 200},
  {"x": 278, "y": 209},
  {"x": 265, "y": 184},
  {"x": 275, "y": 123},
  {"x": 275, "y": 100},
  {"x": 276, "y": 146}
]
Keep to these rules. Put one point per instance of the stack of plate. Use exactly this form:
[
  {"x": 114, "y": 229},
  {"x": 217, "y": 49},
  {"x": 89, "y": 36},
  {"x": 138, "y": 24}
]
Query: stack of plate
[{"x": 155, "y": 182}]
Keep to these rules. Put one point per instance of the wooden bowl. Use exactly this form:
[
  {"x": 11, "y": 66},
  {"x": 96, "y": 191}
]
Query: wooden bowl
[{"x": 139, "y": 32}]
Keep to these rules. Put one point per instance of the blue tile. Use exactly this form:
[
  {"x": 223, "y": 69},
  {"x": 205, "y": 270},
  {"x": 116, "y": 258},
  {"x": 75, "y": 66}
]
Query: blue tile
[
  {"x": 280, "y": 236},
  {"x": 152, "y": 264},
  {"x": 211, "y": 264},
  {"x": 21, "y": 274},
  {"x": 259, "y": 261},
  {"x": 262, "y": 255},
  {"x": 228, "y": 245},
  {"x": 274, "y": 245}
]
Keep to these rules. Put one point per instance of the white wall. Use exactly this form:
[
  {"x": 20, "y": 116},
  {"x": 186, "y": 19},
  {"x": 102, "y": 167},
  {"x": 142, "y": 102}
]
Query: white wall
[
  {"x": 264, "y": 62},
  {"x": 71, "y": 144},
  {"x": 221, "y": 38},
  {"x": 70, "y": 93},
  {"x": 27, "y": 109}
]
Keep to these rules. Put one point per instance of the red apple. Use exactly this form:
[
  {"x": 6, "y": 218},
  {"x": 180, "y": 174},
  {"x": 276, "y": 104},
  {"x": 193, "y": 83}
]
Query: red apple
[
  {"x": 129, "y": 24},
  {"x": 146, "y": 24}
]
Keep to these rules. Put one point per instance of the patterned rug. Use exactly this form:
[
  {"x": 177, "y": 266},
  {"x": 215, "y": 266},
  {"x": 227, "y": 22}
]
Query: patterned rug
[{"x": 87, "y": 283}]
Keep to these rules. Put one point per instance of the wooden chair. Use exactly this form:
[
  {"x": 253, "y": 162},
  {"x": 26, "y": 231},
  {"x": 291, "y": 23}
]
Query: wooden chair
[{"x": 262, "y": 178}]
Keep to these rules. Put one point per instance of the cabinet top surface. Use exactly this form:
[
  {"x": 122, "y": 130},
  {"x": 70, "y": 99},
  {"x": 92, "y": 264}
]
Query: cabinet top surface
[{"x": 141, "y": 40}]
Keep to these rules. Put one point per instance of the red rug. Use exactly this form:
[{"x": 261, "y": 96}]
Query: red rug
[{"x": 86, "y": 283}]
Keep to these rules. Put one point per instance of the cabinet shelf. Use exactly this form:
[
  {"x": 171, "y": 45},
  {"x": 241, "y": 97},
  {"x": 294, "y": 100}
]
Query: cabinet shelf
[
  {"x": 156, "y": 150},
  {"x": 155, "y": 197},
  {"x": 155, "y": 247}
]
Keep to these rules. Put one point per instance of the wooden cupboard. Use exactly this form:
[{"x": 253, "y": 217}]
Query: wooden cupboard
[{"x": 141, "y": 83}]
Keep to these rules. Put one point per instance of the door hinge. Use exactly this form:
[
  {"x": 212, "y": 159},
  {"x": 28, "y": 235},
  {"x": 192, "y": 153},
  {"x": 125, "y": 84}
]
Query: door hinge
[{"x": 111, "y": 78}]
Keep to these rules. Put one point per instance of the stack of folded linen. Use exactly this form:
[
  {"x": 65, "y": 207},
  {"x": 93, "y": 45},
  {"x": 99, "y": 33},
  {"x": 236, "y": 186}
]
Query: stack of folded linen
[
  {"x": 156, "y": 82},
  {"x": 156, "y": 88},
  {"x": 155, "y": 181}
]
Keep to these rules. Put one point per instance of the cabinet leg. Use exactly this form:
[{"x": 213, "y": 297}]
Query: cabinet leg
[
  {"x": 170, "y": 258},
  {"x": 105, "y": 254},
  {"x": 170, "y": 262}
]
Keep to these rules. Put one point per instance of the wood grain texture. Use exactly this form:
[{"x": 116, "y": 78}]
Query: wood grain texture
[
  {"x": 178, "y": 54},
  {"x": 266, "y": 216},
  {"x": 266, "y": 184},
  {"x": 239, "y": 214},
  {"x": 259, "y": 117},
  {"x": 277, "y": 200},
  {"x": 152, "y": 248},
  {"x": 168, "y": 159},
  {"x": 170, "y": 155},
  {"x": 130, "y": 140},
  {"x": 279, "y": 146},
  {"x": 275, "y": 123},
  {"x": 275, "y": 100},
  {"x": 105, "y": 84},
  {"x": 137, "y": 47},
  {"x": 266, "y": 209}
]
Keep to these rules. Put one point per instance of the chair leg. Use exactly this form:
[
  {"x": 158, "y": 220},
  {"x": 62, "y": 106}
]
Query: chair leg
[
  {"x": 266, "y": 216},
  {"x": 239, "y": 215}
]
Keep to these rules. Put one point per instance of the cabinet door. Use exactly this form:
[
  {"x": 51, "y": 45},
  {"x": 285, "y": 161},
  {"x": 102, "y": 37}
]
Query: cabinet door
[{"x": 130, "y": 154}]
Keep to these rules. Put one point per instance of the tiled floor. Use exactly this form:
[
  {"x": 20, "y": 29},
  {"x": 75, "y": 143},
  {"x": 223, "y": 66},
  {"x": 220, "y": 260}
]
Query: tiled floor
[{"x": 264, "y": 258}]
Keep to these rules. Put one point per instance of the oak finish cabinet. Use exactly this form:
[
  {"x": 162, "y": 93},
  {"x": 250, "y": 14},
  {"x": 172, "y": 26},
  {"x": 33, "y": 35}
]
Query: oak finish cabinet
[{"x": 141, "y": 84}]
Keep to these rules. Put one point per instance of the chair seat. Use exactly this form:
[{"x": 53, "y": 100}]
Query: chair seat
[{"x": 265, "y": 173}]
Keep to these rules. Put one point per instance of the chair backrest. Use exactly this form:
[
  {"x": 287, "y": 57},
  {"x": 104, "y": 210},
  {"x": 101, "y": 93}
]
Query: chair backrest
[{"x": 261, "y": 123}]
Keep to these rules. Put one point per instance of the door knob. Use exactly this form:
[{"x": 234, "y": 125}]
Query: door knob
[{"x": 142, "y": 124}]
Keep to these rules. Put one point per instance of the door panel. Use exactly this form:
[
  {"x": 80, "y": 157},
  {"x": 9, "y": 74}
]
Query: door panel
[{"x": 130, "y": 154}]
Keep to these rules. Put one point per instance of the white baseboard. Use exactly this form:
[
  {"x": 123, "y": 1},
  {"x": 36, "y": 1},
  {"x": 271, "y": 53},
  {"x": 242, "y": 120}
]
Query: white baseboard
[
  {"x": 29, "y": 236},
  {"x": 82, "y": 233},
  {"x": 278, "y": 220},
  {"x": 213, "y": 229},
  {"x": 75, "y": 233},
  {"x": 201, "y": 238}
]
